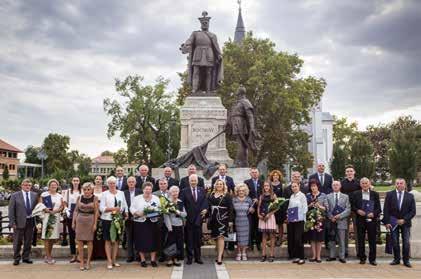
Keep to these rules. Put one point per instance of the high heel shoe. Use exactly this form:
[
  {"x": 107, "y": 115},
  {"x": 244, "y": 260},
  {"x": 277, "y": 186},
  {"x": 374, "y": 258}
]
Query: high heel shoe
[{"x": 263, "y": 259}]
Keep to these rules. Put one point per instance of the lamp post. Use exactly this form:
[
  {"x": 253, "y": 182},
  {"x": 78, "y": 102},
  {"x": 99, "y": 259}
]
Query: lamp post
[{"x": 42, "y": 156}]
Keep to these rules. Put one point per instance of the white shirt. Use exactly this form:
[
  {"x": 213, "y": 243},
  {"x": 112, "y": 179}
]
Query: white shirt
[
  {"x": 139, "y": 204},
  {"x": 29, "y": 197},
  {"x": 366, "y": 195},
  {"x": 397, "y": 197},
  {"x": 72, "y": 198},
  {"x": 132, "y": 195},
  {"x": 108, "y": 200},
  {"x": 299, "y": 200}
]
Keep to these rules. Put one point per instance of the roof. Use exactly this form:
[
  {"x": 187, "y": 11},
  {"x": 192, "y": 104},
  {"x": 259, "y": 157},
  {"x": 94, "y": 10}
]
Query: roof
[
  {"x": 8, "y": 147},
  {"x": 103, "y": 160},
  {"x": 240, "y": 29}
]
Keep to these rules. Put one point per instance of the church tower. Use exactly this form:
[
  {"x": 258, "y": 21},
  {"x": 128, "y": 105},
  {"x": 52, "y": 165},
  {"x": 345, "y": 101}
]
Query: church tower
[{"x": 240, "y": 29}]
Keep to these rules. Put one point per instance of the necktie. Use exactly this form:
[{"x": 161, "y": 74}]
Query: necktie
[
  {"x": 194, "y": 195},
  {"x": 336, "y": 199},
  {"x": 255, "y": 185},
  {"x": 222, "y": 178},
  {"x": 321, "y": 179},
  {"x": 28, "y": 205},
  {"x": 119, "y": 183},
  {"x": 399, "y": 199}
]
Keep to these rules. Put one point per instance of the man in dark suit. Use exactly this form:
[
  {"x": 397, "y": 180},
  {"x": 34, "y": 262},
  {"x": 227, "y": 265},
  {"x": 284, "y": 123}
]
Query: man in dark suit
[
  {"x": 129, "y": 194},
  {"x": 295, "y": 178},
  {"x": 168, "y": 176},
  {"x": 222, "y": 174},
  {"x": 366, "y": 205},
  {"x": 20, "y": 219},
  {"x": 121, "y": 182},
  {"x": 184, "y": 182},
  {"x": 324, "y": 179},
  {"x": 255, "y": 189},
  {"x": 196, "y": 205},
  {"x": 398, "y": 211},
  {"x": 144, "y": 177}
]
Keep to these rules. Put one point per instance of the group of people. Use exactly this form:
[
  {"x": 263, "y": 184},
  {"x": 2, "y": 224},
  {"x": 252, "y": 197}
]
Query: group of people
[{"x": 128, "y": 210}]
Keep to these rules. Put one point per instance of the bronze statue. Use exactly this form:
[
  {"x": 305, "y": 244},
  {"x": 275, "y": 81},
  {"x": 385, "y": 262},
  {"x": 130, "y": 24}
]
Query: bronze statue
[
  {"x": 205, "y": 68},
  {"x": 241, "y": 126}
]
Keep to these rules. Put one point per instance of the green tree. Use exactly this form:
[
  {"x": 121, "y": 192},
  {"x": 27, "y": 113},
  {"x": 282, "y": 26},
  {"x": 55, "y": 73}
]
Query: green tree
[
  {"x": 344, "y": 132},
  {"x": 405, "y": 149},
  {"x": 31, "y": 154},
  {"x": 282, "y": 98},
  {"x": 362, "y": 156},
  {"x": 380, "y": 137},
  {"x": 338, "y": 162},
  {"x": 146, "y": 118},
  {"x": 120, "y": 157},
  {"x": 6, "y": 173},
  {"x": 56, "y": 146},
  {"x": 107, "y": 153}
]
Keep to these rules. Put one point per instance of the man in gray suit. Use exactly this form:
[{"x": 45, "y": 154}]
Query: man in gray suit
[
  {"x": 163, "y": 188},
  {"x": 20, "y": 219},
  {"x": 338, "y": 209}
]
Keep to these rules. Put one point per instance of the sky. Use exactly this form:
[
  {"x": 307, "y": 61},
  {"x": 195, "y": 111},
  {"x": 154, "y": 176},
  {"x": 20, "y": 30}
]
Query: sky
[{"x": 60, "y": 59}]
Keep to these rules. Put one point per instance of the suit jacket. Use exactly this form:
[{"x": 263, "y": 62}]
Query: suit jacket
[
  {"x": 228, "y": 180},
  {"x": 252, "y": 191},
  {"x": 17, "y": 208},
  {"x": 343, "y": 202},
  {"x": 391, "y": 208},
  {"x": 139, "y": 182},
  {"x": 124, "y": 185},
  {"x": 356, "y": 203},
  {"x": 171, "y": 182},
  {"x": 137, "y": 192},
  {"x": 184, "y": 182},
  {"x": 327, "y": 182},
  {"x": 193, "y": 208}
]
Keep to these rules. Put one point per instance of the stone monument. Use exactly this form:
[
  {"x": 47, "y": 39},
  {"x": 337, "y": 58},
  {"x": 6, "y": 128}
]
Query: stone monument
[{"x": 203, "y": 116}]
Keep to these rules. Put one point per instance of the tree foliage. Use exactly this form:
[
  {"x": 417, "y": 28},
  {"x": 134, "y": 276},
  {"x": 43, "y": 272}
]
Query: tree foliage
[
  {"x": 56, "y": 147},
  {"x": 338, "y": 162},
  {"x": 31, "y": 154},
  {"x": 120, "y": 157},
  {"x": 5, "y": 173},
  {"x": 405, "y": 148},
  {"x": 281, "y": 96},
  {"x": 380, "y": 137},
  {"x": 146, "y": 118},
  {"x": 362, "y": 156}
]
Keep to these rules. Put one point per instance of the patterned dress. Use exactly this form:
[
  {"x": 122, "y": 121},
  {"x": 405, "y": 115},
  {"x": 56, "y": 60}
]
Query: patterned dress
[
  {"x": 220, "y": 214},
  {"x": 242, "y": 222}
]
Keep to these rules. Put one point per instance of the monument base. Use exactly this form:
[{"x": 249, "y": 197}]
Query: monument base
[
  {"x": 201, "y": 119},
  {"x": 238, "y": 174}
]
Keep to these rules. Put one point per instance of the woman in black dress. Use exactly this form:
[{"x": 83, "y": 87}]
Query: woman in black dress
[
  {"x": 221, "y": 214},
  {"x": 275, "y": 178}
]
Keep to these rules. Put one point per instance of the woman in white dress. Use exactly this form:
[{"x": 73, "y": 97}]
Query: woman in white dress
[
  {"x": 51, "y": 221},
  {"x": 112, "y": 200}
]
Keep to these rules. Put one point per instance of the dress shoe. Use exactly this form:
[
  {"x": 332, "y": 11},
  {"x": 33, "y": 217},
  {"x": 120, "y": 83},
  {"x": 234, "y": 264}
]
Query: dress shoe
[
  {"x": 16, "y": 262},
  {"x": 28, "y": 261},
  {"x": 189, "y": 261},
  {"x": 407, "y": 264},
  {"x": 331, "y": 259},
  {"x": 342, "y": 260},
  {"x": 143, "y": 264},
  {"x": 374, "y": 263},
  {"x": 394, "y": 262},
  {"x": 161, "y": 259},
  {"x": 154, "y": 264},
  {"x": 362, "y": 261},
  {"x": 129, "y": 260},
  {"x": 198, "y": 261},
  {"x": 176, "y": 264}
]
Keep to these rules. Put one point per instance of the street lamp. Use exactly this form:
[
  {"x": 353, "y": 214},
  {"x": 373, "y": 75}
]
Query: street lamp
[{"x": 42, "y": 156}]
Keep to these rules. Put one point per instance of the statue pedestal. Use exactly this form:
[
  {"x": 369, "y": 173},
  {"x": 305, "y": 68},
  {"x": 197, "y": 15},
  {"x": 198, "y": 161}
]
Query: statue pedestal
[{"x": 201, "y": 119}]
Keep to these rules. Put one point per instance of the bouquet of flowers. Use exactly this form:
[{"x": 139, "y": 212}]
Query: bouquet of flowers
[
  {"x": 315, "y": 217},
  {"x": 276, "y": 204},
  {"x": 166, "y": 206},
  {"x": 117, "y": 225},
  {"x": 52, "y": 220}
]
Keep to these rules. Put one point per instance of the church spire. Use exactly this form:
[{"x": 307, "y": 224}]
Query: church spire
[{"x": 240, "y": 29}]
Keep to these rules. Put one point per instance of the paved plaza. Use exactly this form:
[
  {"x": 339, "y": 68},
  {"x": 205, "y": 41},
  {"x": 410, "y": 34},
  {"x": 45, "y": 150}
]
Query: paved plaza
[{"x": 231, "y": 269}]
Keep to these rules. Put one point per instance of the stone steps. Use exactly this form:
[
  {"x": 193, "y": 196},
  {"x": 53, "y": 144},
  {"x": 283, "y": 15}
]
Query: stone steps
[{"x": 6, "y": 251}]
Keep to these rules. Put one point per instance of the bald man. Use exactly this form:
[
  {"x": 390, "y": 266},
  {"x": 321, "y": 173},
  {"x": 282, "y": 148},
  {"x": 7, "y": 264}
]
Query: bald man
[{"x": 144, "y": 177}]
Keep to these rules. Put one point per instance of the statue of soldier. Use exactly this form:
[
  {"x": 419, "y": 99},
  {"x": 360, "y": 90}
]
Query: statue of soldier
[
  {"x": 205, "y": 68},
  {"x": 241, "y": 126}
]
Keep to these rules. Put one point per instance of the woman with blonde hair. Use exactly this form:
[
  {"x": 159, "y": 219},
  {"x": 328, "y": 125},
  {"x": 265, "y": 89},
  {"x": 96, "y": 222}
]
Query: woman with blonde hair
[
  {"x": 84, "y": 222},
  {"x": 50, "y": 224},
  {"x": 220, "y": 222},
  {"x": 243, "y": 206}
]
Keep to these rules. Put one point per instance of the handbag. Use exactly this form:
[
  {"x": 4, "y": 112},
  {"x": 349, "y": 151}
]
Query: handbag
[
  {"x": 170, "y": 251},
  {"x": 232, "y": 237}
]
